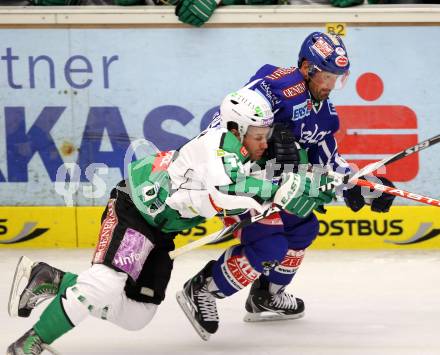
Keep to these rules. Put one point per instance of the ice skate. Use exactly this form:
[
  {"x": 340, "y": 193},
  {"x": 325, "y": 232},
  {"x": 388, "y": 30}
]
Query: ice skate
[
  {"x": 262, "y": 305},
  {"x": 29, "y": 343},
  {"x": 43, "y": 282},
  {"x": 198, "y": 303}
]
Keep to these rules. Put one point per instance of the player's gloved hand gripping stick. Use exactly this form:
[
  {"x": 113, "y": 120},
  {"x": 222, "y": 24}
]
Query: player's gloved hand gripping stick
[{"x": 341, "y": 179}]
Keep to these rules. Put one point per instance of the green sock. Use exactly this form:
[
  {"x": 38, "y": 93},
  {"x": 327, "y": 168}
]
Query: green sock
[{"x": 53, "y": 321}]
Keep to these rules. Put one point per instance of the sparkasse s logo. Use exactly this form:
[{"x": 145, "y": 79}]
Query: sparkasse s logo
[
  {"x": 28, "y": 231},
  {"x": 363, "y": 126}
]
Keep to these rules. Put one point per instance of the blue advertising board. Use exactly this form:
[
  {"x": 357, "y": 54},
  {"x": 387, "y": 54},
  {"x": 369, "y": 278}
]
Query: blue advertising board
[{"x": 77, "y": 98}]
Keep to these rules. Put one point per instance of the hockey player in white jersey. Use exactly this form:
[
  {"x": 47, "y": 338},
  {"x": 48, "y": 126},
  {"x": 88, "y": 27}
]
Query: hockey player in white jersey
[
  {"x": 164, "y": 193},
  {"x": 243, "y": 264}
]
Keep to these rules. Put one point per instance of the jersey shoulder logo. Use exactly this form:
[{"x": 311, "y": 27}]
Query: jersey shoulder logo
[
  {"x": 162, "y": 161},
  {"x": 294, "y": 90},
  {"x": 244, "y": 152},
  {"x": 279, "y": 73},
  {"x": 268, "y": 93}
]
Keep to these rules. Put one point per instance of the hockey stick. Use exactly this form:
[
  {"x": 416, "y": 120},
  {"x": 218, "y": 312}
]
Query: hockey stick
[
  {"x": 368, "y": 169},
  {"x": 399, "y": 192},
  {"x": 222, "y": 233},
  {"x": 227, "y": 231}
]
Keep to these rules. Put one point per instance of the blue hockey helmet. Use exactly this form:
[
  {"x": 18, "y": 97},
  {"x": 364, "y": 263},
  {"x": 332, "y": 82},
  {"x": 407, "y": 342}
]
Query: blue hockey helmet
[{"x": 326, "y": 52}]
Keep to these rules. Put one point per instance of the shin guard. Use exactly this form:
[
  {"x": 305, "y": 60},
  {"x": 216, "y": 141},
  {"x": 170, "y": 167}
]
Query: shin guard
[{"x": 233, "y": 271}]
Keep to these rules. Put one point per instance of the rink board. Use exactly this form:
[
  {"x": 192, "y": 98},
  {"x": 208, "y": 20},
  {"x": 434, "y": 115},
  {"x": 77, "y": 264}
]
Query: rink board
[
  {"x": 79, "y": 101},
  {"x": 405, "y": 227}
]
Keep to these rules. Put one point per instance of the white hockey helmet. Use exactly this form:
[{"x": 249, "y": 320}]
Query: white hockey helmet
[{"x": 245, "y": 108}]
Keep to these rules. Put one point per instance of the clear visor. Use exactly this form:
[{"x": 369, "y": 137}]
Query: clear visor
[
  {"x": 259, "y": 133},
  {"x": 330, "y": 80}
]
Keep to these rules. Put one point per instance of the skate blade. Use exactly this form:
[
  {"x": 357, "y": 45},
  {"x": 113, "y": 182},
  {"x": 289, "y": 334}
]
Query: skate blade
[
  {"x": 22, "y": 271},
  {"x": 50, "y": 350},
  {"x": 46, "y": 347},
  {"x": 185, "y": 304},
  {"x": 270, "y": 317}
]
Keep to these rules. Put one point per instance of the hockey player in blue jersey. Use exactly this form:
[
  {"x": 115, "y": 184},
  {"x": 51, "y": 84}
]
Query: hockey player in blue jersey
[{"x": 271, "y": 251}]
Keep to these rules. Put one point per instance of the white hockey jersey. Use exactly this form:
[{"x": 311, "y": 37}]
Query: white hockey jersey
[{"x": 212, "y": 174}]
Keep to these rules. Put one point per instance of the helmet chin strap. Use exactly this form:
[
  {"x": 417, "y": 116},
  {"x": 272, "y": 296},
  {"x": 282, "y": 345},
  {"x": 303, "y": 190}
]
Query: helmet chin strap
[{"x": 311, "y": 70}]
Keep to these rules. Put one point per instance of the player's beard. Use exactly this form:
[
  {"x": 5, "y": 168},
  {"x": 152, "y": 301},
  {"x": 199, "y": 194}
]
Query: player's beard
[
  {"x": 316, "y": 93},
  {"x": 320, "y": 95},
  {"x": 323, "y": 95}
]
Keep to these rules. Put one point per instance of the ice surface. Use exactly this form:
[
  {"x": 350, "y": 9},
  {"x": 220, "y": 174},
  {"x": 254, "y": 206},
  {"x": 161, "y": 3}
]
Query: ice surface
[{"x": 357, "y": 302}]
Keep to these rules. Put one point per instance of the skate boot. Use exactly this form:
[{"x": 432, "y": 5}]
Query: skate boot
[
  {"x": 43, "y": 282},
  {"x": 269, "y": 302},
  {"x": 197, "y": 300},
  {"x": 29, "y": 343}
]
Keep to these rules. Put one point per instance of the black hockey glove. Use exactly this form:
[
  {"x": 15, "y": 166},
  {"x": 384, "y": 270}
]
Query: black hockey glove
[
  {"x": 283, "y": 148},
  {"x": 355, "y": 201},
  {"x": 353, "y": 198},
  {"x": 384, "y": 201}
]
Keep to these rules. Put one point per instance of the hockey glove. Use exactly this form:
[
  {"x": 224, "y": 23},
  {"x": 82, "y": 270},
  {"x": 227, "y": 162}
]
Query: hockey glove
[
  {"x": 55, "y": 2},
  {"x": 355, "y": 200},
  {"x": 261, "y": 2},
  {"x": 195, "y": 12},
  {"x": 298, "y": 195},
  {"x": 384, "y": 201},
  {"x": 325, "y": 196},
  {"x": 250, "y": 2},
  {"x": 287, "y": 153},
  {"x": 346, "y": 3},
  {"x": 128, "y": 2}
]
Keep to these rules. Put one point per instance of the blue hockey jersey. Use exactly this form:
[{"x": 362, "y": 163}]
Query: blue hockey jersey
[{"x": 313, "y": 126}]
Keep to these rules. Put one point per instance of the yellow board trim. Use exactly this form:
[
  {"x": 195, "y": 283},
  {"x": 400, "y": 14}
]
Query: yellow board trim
[
  {"x": 405, "y": 227},
  {"x": 38, "y": 227}
]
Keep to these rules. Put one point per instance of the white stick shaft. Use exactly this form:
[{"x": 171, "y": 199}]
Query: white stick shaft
[
  {"x": 195, "y": 244},
  {"x": 223, "y": 233}
]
